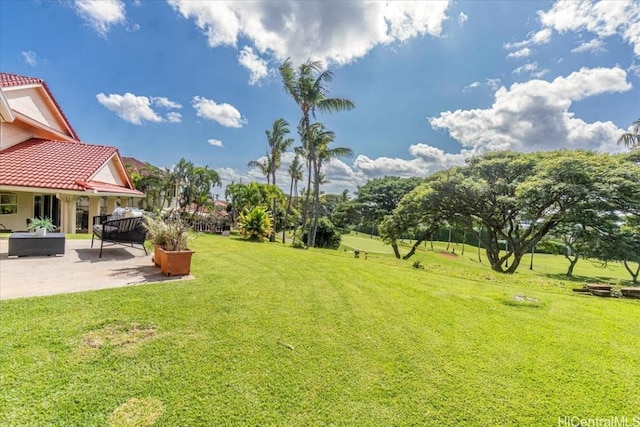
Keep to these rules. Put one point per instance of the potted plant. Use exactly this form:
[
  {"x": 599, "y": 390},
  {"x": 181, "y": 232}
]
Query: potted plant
[
  {"x": 41, "y": 225},
  {"x": 157, "y": 235},
  {"x": 171, "y": 240}
]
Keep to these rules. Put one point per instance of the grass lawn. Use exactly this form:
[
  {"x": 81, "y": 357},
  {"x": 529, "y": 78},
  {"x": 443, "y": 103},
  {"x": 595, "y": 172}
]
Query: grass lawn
[{"x": 270, "y": 335}]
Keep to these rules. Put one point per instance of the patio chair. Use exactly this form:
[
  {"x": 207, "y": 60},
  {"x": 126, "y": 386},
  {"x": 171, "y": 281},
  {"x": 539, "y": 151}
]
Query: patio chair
[{"x": 119, "y": 231}]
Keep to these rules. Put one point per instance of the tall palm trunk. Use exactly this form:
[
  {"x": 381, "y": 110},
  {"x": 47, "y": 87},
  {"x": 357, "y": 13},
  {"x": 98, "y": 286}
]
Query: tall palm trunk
[
  {"x": 286, "y": 213},
  {"x": 305, "y": 208},
  {"x": 316, "y": 201}
]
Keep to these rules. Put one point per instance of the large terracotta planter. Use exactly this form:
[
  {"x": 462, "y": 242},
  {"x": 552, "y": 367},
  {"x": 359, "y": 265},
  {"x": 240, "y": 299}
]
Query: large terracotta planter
[
  {"x": 158, "y": 254},
  {"x": 175, "y": 263}
]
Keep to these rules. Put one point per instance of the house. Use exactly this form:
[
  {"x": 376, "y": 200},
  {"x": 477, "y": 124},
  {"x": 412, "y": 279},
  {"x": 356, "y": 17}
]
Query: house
[{"x": 45, "y": 169}]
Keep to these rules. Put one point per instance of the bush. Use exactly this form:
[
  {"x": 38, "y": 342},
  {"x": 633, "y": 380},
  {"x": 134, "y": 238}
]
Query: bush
[
  {"x": 327, "y": 235},
  {"x": 255, "y": 224}
]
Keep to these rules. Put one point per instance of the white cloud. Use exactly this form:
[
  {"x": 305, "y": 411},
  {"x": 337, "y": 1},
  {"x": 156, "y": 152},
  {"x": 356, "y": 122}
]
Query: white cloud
[
  {"x": 173, "y": 117},
  {"x": 225, "y": 114},
  {"x": 535, "y": 115},
  {"x": 493, "y": 83},
  {"x": 471, "y": 86},
  {"x": 532, "y": 68},
  {"x": 520, "y": 53},
  {"x": 136, "y": 109},
  {"x": 215, "y": 142},
  {"x": 101, "y": 15},
  {"x": 161, "y": 101},
  {"x": 541, "y": 37},
  {"x": 252, "y": 62},
  {"x": 462, "y": 18},
  {"x": 30, "y": 57},
  {"x": 602, "y": 18},
  {"x": 634, "y": 68},
  {"x": 595, "y": 46},
  {"x": 317, "y": 30}
]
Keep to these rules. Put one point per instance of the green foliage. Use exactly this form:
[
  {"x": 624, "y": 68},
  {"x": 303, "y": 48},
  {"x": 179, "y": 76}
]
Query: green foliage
[
  {"x": 170, "y": 234},
  {"x": 327, "y": 235},
  {"x": 195, "y": 183},
  {"x": 518, "y": 198},
  {"x": 256, "y": 223},
  {"x": 379, "y": 197},
  {"x": 38, "y": 223}
]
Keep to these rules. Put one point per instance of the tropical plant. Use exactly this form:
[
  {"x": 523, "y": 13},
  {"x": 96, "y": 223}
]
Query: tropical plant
[
  {"x": 327, "y": 235},
  {"x": 632, "y": 138},
  {"x": 38, "y": 223},
  {"x": 256, "y": 223},
  {"x": 178, "y": 236},
  {"x": 307, "y": 86},
  {"x": 195, "y": 182},
  {"x": 156, "y": 230}
]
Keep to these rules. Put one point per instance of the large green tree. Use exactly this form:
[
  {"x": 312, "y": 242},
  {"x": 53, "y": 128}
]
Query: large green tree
[
  {"x": 620, "y": 242},
  {"x": 307, "y": 85},
  {"x": 377, "y": 198},
  {"x": 518, "y": 198}
]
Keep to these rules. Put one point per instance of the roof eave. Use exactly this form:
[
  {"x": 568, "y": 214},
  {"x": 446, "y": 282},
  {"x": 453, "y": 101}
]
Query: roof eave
[
  {"x": 47, "y": 190},
  {"x": 6, "y": 113}
]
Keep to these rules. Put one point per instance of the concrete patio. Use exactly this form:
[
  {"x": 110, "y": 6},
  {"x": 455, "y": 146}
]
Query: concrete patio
[{"x": 79, "y": 269}]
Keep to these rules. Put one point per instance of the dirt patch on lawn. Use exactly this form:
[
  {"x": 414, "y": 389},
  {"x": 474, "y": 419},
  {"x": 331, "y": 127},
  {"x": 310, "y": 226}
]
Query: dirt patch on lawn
[
  {"x": 115, "y": 338},
  {"x": 138, "y": 412},
  {"x": 449, "y": 255}
]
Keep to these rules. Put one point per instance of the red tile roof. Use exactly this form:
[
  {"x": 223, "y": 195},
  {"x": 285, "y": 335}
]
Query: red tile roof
[
  {"x": 55, "y": 164},
  {"x": 11, "y": 80}
]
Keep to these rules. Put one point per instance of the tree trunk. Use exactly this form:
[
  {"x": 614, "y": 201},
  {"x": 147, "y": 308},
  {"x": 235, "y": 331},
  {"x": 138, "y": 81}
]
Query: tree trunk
[
  {"x": 305, "y": 208},
  {"x": 396, "y": 252},
  {"x": 635, "y": 275},
  {"x": 449, "y": 240},
  {"x": 286, "y": 213},
  {"x": 572, "y": 264},
  {"x": 423, "y": 237},
  {"x": 464, "y": 240},
  {"x": 316, "y": 200},
  {"x": 516, "y": 262}
]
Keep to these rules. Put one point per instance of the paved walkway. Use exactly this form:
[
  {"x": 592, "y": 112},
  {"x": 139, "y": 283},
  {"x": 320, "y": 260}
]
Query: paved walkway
[{"x": 79, "y": 269}]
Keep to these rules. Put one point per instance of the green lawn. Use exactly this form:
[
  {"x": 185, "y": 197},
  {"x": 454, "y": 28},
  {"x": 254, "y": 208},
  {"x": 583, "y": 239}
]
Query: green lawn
[
  {"x": 270, "y": 335},
  {"x": 543, "y": 264}
]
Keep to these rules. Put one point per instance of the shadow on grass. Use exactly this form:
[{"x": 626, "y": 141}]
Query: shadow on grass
[{"x": 589, "y": 279}]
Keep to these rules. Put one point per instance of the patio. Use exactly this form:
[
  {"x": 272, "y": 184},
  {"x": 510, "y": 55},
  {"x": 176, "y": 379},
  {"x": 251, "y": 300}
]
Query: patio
[{"x": 78, "y": 270}]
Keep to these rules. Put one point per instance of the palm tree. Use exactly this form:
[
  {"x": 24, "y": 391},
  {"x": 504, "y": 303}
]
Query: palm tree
[
  {"x": 631, "y": 139},
  {"x": 322, "y": 138},
  {"x": 262, "y": 166},
  {"x": 295, "y": 172},
  {"x": 277, "y": 146},
  {"x": 308, "y": 87}
]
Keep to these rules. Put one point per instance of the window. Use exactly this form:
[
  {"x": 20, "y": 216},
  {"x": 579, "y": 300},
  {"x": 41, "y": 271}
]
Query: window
[{"x": 8, "y": 203}]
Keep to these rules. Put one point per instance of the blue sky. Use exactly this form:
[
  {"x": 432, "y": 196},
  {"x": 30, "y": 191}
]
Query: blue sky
[{"x": 433, "y": 82}]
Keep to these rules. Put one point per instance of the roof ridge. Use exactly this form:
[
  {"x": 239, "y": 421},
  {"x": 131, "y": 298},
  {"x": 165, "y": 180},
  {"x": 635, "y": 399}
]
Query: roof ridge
[{"x": 8, "y": 80}]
